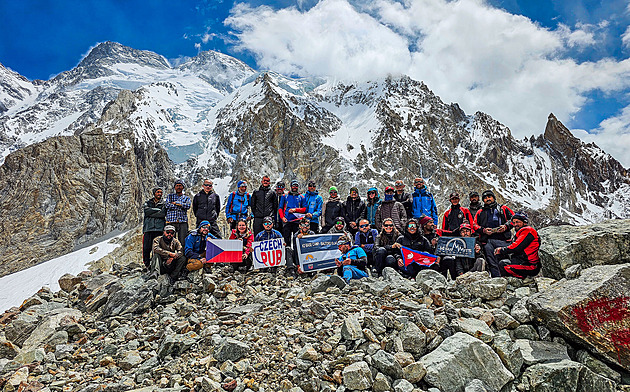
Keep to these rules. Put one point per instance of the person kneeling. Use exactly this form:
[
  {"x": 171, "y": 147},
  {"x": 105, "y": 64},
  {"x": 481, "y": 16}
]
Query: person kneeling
[
  {"x": 524, "y": 260},
  {"x": 195, "y": 248},
  {"x": 168, "y": 256},
  {"x": 353, "y": 260}
]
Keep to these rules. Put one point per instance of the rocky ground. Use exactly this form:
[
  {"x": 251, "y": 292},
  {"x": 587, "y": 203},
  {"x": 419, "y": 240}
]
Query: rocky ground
[{"x": 118, "y": 331}]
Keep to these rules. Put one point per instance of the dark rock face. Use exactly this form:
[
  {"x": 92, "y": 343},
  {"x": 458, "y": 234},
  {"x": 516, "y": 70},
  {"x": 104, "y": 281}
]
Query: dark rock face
[
  {"x": 592, "y": 310},
  {"x": 65, "y": 191}
]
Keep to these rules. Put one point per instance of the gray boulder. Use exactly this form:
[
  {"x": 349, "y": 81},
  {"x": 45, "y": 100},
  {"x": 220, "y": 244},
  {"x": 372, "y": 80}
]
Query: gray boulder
[
  {"x": 413, "y": 339},
  {"x": 560, "y": 376},
  {"x": 387, "y": 364},
  {"x": 357, "y": 376},
  {"x": 324, "y": 282},
  {"x": 539, "y": 351},
  {"x": 174, "y": 345},
  {"x": 509, "y": 352},
  {"x": 474, "y": 327},
  {"x": 604, "y": 243},
  {"x": 396, "y": 281},
  {"x": 460, "y": 359},
  {"x": 590, "y": 310},
  {"x": 351, "y": 329},
  {"x": 231, "y": 350}
]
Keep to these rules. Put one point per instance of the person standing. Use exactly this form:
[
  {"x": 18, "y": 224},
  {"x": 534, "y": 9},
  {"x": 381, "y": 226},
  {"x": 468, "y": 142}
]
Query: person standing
[
  {"x": 153, "y": 223},
  {"x": 355, "y": 209},
  {"x": 455, "y": 216},
  {"x": 371, "y": 205},
  {"x": 177, "y": 205},
  {"x": 206, "y": 206},
  {"x": 292, "y": 203},
  {"x": 390, "y": 208},
  {"x": 238, "y": 205},
  {"x": 403, "y": 197},
  {"x": 313, "y": 203},
  {"x": 423, "y": 203},
  {"x": 277, "y": 222},
  {"x": 475, "y": 205},
  {"x": 331, "y": 210},
  {"x": 264, "y": 204}
]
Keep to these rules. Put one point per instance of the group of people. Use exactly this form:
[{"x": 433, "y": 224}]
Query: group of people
[{"x": 374, "y": 229}]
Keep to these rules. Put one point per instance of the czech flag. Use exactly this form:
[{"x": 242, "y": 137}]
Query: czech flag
[
  {"x": 224, "y": 251},
  {"x": 413, "y": 256}
]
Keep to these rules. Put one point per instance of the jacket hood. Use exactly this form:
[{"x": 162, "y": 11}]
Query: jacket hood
[{"x": 311, "y": 193}]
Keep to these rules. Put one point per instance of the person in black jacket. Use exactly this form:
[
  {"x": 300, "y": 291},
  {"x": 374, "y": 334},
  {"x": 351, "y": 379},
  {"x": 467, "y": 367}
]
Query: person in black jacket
[
  {"x": 332, "y": 209},
  {"x": 493, "y": 225},
  {"x": 264, "y": 203},
  {"x": 206, "y": 207},
  {"x": 403, "y": 197},
  {"x": 277, "y": 222},
  {"x": 153, "y": 223},
  {"x": 385, "y": 254},
  {"x": 413, "y": 239},
  {"x": 475, "y": 205},
  {"x": 354, "y": 210}
]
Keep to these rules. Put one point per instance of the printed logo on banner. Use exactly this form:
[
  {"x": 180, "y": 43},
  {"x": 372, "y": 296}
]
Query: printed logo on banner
[
  {"x": 456, "y": 246},
  {"x": 269, "y": 253},
  {"x": 318, "y": 252}
]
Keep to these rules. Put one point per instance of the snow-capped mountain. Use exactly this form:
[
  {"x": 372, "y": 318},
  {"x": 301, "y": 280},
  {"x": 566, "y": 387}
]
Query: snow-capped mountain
[{"x": 218, "y": 118}]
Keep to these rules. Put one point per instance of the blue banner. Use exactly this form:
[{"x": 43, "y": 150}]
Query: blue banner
[
  {"x": 456, "y": 246},
  {"x": 318, "y": 252}
]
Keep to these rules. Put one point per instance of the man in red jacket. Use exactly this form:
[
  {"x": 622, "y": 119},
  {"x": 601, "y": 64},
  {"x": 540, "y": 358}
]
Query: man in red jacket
[{"x": 524, "y": 259}]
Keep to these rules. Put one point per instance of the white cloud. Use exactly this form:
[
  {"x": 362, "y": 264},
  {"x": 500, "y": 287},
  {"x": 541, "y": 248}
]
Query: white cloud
[
  {"x": 466, "y": 51},
  {"x": 625, "y": 38}
]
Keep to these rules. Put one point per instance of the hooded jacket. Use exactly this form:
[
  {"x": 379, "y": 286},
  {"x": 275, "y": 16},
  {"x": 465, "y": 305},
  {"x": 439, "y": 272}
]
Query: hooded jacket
[
  {"x": 371, "y": 206},
  {"x": 332, "y": 210},
  {"x": 313, "y": 203},
  {"x": 424, "y": 204},
  {"x": 237, "y": 206}
]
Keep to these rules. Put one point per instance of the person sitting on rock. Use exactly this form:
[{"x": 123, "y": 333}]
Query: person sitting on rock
[
  {"x": 385, "y": 255},
  {"x": 153, "y": 223},
  {"x": 455, "y": 216},
  {"x": 293, "y": 264},
  {"x": 390, "y": 208},
  {"x": 524, "y": 260},
  {"x": 241, "y": 232},
  {"x": 352, "y": 263},
  {"x": 432, "y": 234},
  {"x": 412, "y": 239},
  {"x": 168, "y": 255},
  {"x": 466, "y": 264},
  {"x": 492, "y": 224},
  {"x": 332, "y": 209},
  {"x": 365, "y": 239},
  {"x": 195, "y": 247}
]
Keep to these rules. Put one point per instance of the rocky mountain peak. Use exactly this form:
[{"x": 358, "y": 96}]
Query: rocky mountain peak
[
  {"x": 222, "y": 71},
  {"x": 107, "y": 53}
]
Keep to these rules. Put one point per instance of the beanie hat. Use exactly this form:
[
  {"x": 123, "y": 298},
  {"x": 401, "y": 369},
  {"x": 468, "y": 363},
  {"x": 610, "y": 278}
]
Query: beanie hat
[
  {"x": 389, "y": 188},
  {"x": 473, "y": 193},
  {"x": 343, "y": 240},
  {"x": 332, "y": 189},
  {"x": 311, "y": 183},
  {"x": 521, "y": 215},
  {"x": 241, "y": 183},
  {"x": 204, "y": 223},
  {"x": 354, "y": 189},
  {"x": 295, "y": 183},
  {"x": 157, "y": 188},
  {"x": 280, "y": 184},
  {"x": 267, "y": 219},
  {"x": 465, "y": 226},
  {"x": 454, "y": 195},
  {"x": 487, "y": 193},
  {"x": 424, "y": 220},
  {"x": 181, "y": 182}
]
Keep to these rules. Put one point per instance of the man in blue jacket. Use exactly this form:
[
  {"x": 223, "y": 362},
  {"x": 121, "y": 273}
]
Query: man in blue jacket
[
  {"x": 313, "y": 203},
  {"x": 353, "y": 260},
  {"x": 423, "y": 202},
  {"x": 195, "y": 247},
  {"x": 291, "y": 204}
]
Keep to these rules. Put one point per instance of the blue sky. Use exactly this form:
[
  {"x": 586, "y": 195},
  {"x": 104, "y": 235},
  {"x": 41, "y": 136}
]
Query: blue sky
[{"x": 516, "y": 60}]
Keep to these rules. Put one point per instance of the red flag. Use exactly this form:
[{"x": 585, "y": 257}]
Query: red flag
[{"x": 414, "y": 256}]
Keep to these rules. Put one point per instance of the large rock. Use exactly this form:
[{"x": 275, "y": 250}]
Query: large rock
[
  {"x": 538, "y": 351},
  {"x": 460, "y": 359},
  {"x": 599, "y": 244},
  {"x": 74, "y": 189},
  {"x": 562, "y": 376},
  {"x": 357, "y": 376},
  {"x": 591, "y": 310},
  {"x": 231, "y": 350}
]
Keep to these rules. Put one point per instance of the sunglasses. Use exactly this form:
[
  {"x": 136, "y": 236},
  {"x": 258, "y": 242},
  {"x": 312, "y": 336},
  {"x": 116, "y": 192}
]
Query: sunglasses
[
  {"x": 388, "y": 225},
  {"x": 208, "y": 185},
  {"x": 333, "y": 192},
  {"x": 372, "y": 193},
  {"x": 170, "y": 232},
  {"x": 412, "y": 226},
  {"x": 362, "y": 226},
  {"x": 267, "y": 223},
  {"x": 339, "y": 223}
]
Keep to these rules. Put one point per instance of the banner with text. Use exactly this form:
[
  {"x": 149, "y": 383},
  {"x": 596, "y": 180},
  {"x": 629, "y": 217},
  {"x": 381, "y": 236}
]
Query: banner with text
[
  {"x": 269, "y": 253},
  {"x": 318, "y": 252},
  {"x": 456, "y": 246}
]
